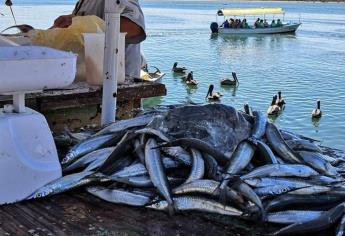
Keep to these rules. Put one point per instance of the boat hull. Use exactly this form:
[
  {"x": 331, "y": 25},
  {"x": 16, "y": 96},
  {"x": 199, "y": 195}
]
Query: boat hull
[{"x": 286, "y": 28}]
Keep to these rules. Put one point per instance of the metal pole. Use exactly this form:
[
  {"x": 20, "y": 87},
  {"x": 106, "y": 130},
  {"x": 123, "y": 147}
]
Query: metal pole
[{"x": 113, "y": 9}]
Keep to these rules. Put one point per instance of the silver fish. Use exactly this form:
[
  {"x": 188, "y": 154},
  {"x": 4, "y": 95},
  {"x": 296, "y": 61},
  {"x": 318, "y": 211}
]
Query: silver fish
[
  {"x": 198, "y": 167},
  {"x": 272, "y": 181},
  {"x": 249, "y": 194},
  {"x": 278, "y": 144},
  {"x": 324, "y": 221},
  {"x": 302, "y": 144},
  {"x": 260, "y": 125},
  {"x": 278, "y": 170},
  {"x": 156, "y": 171},
  {"x": 188, "y": 203},
  {"x": 139, "y": 150},
  {"x": 206, "y": 186},
  {"x": 126, "y": 124},
  {"x": 292, "y": 216},
  {"x": 119, "y": 196},
  {"x": 239, "y": 160},
  {"x": 99, "y": 155},
  {"x": 315, "y": 189},
  {"x": 131, "y": 171},
  {"x": 273, "y": 190},
  {"x": 179, "y": 154},
  {"x": 341, "y": 227},
  {"x": 86, "y": 147},
  {"x": 266, "y": 152},
  {"x": 315, "y": 160},
  {"x": 154, "y": 132},
  {"x": 64, "y": 184}
]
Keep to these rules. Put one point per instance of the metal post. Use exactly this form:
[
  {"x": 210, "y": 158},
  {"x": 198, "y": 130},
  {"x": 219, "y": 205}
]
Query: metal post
[{"x": 113, "y": 9}]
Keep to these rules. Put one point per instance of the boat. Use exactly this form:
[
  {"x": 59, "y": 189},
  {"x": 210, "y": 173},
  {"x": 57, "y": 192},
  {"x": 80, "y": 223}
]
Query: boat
[
  {"x": 243, "y": 12},
  {"x": 146, "y": 76}
]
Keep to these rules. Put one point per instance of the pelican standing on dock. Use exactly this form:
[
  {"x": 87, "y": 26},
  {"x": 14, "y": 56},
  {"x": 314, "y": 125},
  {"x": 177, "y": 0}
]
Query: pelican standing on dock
[
  {"x": 215, "y": 96},
  {"x": 178, "y": 69},
  {"x": 273, "y": 109},
  {"x": 317, "y": 111}
]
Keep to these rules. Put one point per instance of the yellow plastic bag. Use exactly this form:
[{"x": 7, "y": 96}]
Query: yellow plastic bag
[{"x": 70, "y": 39}]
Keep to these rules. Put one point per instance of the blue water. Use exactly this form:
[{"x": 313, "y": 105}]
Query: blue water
[{"x": 305, "y": 66}]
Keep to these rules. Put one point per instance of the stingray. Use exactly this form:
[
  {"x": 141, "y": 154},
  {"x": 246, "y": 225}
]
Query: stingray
[{"x": 221, "y": 126}]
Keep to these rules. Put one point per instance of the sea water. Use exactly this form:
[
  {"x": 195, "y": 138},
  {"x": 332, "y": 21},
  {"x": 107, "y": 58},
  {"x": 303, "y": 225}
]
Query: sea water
[{"x": 305, "y": 66}]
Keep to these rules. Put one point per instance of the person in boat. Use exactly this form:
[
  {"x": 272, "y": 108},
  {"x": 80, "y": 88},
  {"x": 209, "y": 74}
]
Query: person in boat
[
  {"x": 226, "y": 24},
  {"x": 239, "y": 23},
  {"x": 261, "y": 24},
  {"x": 132, "y": 22},
  {"x": 273, "y": 24},
  {"x": 266, "y": 23},
  {"x": 244, "y": 24},
  {"x": 279, "y": 23},
  {"x": 231, "y": 23},
  {"x": 256, "y": 24}
]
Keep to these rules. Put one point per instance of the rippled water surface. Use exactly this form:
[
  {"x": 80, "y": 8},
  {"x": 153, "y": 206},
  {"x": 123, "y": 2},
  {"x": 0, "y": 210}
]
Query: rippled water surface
[{"x": 305, "y": 66}]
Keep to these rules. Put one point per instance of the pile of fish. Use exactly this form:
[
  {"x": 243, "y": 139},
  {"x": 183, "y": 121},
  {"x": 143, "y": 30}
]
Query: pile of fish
[{"x": 213, "y": 159}]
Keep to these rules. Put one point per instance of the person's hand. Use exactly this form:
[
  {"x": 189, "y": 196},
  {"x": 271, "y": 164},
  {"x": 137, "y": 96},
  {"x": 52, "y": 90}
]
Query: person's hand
[{"x": 63, "y": 21}]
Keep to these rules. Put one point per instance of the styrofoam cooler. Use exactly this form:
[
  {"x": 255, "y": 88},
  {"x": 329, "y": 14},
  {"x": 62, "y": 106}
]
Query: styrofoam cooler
[{"x": 94, "y": 57}]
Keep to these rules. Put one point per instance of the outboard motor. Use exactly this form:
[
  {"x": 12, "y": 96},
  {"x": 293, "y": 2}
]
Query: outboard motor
[
  {"x": 214, "y": 27},
  {"x": 28, "y": 155}
]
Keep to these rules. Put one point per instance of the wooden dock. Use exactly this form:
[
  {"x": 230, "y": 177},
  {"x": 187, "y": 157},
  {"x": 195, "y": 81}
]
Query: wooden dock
[{"x": 79, "y": 104}]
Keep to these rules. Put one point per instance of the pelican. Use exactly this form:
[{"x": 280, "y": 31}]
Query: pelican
[
  {"x": 229, "y": 81},
  {"x": 213, "y": 95},
  {"x": 189, "y": 79},
  {"x": 317, "y": 111},
  {"x": 280, "y": 101},
  {"x": 273, "y": 109},
  {"x": 178, "y": 69}
]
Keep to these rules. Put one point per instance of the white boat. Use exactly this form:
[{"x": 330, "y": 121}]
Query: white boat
[{"x": 243, "y": 12}]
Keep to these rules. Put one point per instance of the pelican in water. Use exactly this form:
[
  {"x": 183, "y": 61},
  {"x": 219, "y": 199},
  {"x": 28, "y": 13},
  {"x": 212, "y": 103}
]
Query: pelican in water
[
  {"x": 273, "y": 109},
  {"x": 317, "y": 111},
  {"x": 215, "y": 96},
  {"x": 178, "y": 69},
  {"x": 280, "y": 100},
  {"x": 229, "y": 81}
]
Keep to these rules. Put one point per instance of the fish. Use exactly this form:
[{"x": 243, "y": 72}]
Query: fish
[
  {"x": 209, "y": 187},
  {"x": 315, "y": 189},
  {"x": 154, "y": 132},
  {"x": 131, "y": 171},
  {"x": 189, "y": 203},
  {"x": 302, "y": 144},
  {"x": 275, "y": 190},
  {"x": 197, "y": 144},
  {"x": 281, "y": 170},
  {"x": 156, "y": 171},
  {"x": 179, "y": 154},
  {"x": 247, "y": 192},
  {"x": 119, "y": 196},
  {"x": 240, "y": 159},
  {"x": 259, "y": 126},
  {"x": 315, "y": 160},
  {"x": 290, "y": 201},
  {"x": 211, "y": 167},
  {"x": 98, "y": 156},
  {"x": 124, "y": 125},
  {"x": 86, "y": 147},
  {"x": 273, "y": 181},
  {"x": 115, "y": 159},
  {"x": 278, "y": 144},
  {"x": 292, "y": 216},
  {"x": 327, "y": 219},
  {"x": 198, "y": 167},
  {"x": 138, "y": 149},
  {"x": 65, "y": 183},
  {"x": 266, "y": 152},
  {"x": 340, "y": 231}
]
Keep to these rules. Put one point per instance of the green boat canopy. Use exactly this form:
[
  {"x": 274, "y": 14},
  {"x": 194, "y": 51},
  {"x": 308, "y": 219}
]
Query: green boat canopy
[{"x": 249, "y": 11}]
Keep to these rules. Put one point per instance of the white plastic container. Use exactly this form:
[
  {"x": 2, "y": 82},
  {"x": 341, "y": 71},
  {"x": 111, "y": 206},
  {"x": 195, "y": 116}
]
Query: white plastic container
[
  {"x": 28, "y": 156},
  {"x": 31, "y": 68},
  {"x": 94, "y": 57}
]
